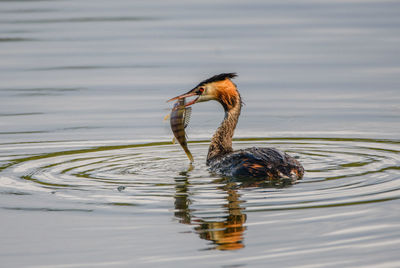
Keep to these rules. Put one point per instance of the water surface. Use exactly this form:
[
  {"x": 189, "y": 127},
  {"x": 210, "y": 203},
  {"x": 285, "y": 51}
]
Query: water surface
[{"x": 89, "y": 177}]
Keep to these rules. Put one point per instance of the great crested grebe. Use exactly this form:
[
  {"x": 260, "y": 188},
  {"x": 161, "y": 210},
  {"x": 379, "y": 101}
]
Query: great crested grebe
[{"x": 260, "y": 163}]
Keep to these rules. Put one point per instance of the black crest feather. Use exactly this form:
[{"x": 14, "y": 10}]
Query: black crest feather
[{"x": 216, "y": 78}]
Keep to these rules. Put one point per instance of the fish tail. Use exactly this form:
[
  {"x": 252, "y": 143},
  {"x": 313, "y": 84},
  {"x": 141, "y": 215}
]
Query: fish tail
[{"x": 189, "y": 154}]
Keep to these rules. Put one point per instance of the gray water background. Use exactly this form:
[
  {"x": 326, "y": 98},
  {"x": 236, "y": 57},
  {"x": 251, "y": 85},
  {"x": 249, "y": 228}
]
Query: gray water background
[{"x": 85, "y": 74}]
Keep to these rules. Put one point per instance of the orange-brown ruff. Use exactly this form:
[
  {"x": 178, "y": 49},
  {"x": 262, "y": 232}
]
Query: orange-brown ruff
[{"x": 262, "y": 163}]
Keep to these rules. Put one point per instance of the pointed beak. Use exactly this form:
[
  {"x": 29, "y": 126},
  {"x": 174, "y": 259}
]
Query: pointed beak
[
  {"x": 186, "y": 95},
  {"x": 189, "y": 94}
]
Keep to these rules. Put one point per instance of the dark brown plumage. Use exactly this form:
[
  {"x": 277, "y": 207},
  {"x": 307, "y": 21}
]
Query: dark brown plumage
[{"x": 216, "y": 78}]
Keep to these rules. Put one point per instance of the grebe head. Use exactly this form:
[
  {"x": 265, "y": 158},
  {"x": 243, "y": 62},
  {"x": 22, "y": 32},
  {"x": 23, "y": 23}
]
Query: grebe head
[{"x": 219, "y": 88}]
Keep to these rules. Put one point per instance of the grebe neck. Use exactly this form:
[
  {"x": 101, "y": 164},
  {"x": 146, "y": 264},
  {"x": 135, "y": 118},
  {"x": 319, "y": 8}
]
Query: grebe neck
[{"x": 221, "y": 142}]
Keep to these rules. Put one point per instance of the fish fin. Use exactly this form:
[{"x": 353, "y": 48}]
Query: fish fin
[
  {"x": 188, "y": 113},
  {"x": 173, "y": 140},
  {"x": 167, "y": 117}
]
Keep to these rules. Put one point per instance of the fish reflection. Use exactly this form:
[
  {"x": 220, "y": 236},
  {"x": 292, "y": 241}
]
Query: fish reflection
[{"x": 225, "y": 234}]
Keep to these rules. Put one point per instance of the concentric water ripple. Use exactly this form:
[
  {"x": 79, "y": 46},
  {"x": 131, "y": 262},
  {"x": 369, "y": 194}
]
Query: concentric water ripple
[{"x": 156, "y": 176}]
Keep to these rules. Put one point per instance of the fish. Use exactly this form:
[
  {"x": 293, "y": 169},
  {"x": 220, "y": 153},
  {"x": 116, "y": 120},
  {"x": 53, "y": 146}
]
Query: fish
[{"x": 179, "y": 120}]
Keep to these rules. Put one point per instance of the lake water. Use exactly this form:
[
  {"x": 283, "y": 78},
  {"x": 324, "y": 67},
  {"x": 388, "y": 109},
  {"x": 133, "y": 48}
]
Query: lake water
[{"x": 89, "y": 176}]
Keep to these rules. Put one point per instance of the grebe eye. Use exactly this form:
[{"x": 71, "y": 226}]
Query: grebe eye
[{"x": 201, "y": 90}]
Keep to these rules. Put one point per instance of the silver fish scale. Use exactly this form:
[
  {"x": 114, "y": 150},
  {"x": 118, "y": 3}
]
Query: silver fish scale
[{"x": 187, "y": 115}]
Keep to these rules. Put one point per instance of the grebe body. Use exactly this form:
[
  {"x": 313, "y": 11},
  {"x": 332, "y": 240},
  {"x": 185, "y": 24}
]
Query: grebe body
[
  {"x": 261, "y": 163},
  {"x": 257, "y": 162}
]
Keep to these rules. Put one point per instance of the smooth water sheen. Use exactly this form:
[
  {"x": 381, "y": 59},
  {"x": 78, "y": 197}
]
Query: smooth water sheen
[
  {"x": 89, "y": 177},
  {"x": 156, "y": 179}
]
